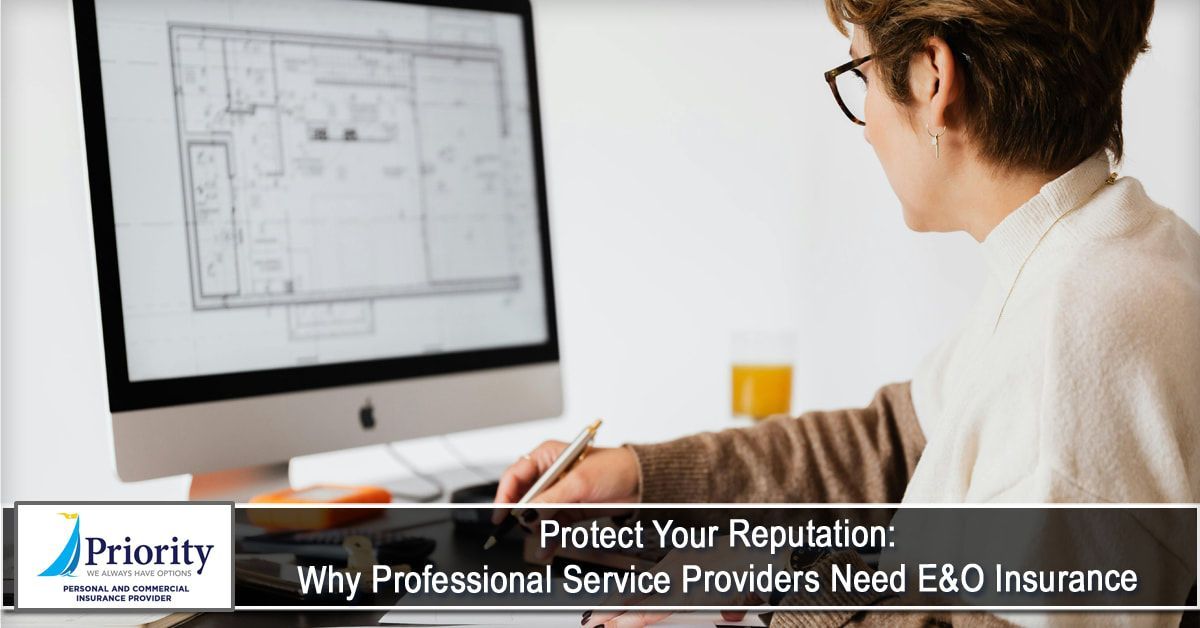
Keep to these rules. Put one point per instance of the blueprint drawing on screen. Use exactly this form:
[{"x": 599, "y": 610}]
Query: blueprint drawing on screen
[{"x": 353, "y": 184}]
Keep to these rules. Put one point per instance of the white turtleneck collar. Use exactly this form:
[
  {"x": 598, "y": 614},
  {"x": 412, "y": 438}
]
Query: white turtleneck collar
[{"x": 1013, "y": 240}]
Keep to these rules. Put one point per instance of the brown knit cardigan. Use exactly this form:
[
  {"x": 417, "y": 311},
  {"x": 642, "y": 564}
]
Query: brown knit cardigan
[{"x": 848, "y": 456}]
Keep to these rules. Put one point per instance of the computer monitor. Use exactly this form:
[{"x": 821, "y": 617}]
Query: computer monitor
[{"x": 319, "y": 224}]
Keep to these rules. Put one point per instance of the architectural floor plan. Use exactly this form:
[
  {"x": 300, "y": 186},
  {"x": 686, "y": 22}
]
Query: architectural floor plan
[
  {"x": 327, "y": 171},
  {"x": 308, "y": 182}
]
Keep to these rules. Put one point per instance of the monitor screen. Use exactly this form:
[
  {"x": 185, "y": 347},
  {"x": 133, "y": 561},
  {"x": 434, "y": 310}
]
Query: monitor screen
[{"x": 308, "y": 183}]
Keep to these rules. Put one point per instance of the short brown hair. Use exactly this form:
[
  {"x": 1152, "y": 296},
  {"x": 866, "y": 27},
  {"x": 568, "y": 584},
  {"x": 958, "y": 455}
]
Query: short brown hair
[{"x": 1043, "y": 77}]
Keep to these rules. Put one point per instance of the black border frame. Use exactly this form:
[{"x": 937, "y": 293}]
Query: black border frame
[{"x": 124, "y": 395}]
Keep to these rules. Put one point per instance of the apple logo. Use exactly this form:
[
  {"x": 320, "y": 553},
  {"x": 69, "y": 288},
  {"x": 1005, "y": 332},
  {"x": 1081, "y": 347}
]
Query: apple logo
[{"x": 366, "y": 415}]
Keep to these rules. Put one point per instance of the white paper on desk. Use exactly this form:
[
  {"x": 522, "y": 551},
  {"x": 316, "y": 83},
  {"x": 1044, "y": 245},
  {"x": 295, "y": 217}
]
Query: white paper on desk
[
  {"x": 485, "y": 619},
  {"x": 108, "y": 620}
]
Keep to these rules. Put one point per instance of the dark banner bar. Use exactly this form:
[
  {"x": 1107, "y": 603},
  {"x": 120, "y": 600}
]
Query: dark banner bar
[
  {"x": 713, "y": 558},
  {"x": 719, "y": 557}
]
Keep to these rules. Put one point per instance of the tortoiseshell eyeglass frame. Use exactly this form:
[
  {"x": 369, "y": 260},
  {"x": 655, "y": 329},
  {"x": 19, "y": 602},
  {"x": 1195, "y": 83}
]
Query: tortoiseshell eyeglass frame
[{"x": 831, "y": 78}]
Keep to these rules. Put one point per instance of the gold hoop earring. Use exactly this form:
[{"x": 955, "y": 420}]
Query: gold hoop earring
[{"x": 935, "y": 139}]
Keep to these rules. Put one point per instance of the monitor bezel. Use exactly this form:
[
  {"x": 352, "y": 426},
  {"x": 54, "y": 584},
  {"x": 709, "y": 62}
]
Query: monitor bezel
[{"x": 125, "y": 395}]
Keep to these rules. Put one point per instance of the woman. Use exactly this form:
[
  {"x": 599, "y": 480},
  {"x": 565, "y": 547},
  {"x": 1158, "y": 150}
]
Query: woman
[{"x": 1074, "y": 377}]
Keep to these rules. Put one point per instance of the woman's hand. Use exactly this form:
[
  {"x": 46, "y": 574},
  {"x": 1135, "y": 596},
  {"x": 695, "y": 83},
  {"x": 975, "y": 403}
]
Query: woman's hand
[
  {"x": 717, "y": 558},
  {"x": 604, "y": 475}
]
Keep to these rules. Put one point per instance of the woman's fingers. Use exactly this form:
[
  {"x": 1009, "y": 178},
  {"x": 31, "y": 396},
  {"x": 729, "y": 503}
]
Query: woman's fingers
[
  {"x": 618, "y": 619},
  {"x": 629, "y": 619},
  {"x": 517, "y": 476},
  {"x": 745, "y": 599},
  {"x": 604, "y": 476},
  {"x": 603, "y": 618},
  {"x": 521, "y": 475},
  {"x": 571, "y": 488},
  {"x": 643, "y": 619}
]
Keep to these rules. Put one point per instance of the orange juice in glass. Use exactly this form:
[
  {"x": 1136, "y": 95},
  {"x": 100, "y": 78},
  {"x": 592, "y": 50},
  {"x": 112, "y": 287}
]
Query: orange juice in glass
[{"x": 762, "y": 374}]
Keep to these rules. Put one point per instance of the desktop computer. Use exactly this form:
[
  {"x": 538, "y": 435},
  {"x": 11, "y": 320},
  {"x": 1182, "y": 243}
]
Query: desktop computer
[{"x": 319, "y": 224}]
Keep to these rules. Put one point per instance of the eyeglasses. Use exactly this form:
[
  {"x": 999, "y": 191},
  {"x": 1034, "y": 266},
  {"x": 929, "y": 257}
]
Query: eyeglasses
[{"x": 849, "y": 87}]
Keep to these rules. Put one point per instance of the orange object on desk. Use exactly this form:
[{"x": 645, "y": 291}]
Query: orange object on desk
[
  {"x": 317, "y": 518},
  {"x": 761, "y": 390}
]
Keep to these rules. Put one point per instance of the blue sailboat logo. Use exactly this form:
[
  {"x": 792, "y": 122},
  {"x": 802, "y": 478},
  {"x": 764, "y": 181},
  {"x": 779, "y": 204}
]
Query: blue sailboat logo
[{"x": 68, "y": 558}]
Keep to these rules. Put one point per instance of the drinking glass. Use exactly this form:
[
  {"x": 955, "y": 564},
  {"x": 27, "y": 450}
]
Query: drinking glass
[{"x": 762, "y": 373}]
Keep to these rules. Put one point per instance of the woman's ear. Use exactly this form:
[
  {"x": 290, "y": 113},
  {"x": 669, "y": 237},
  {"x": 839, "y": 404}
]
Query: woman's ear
[{"x": 935, "y": 82}]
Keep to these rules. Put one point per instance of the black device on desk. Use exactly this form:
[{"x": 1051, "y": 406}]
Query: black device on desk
[
  {"x": 476, "y": 521},
  {"x": 392, "y": 547}
]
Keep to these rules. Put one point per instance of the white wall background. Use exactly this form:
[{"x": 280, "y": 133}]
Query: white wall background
[{"x": 701, "y": 181}]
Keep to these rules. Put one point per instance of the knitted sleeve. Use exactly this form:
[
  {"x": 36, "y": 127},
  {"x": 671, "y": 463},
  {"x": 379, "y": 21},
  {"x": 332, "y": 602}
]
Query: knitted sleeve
[{"x": 864, "y": 455}]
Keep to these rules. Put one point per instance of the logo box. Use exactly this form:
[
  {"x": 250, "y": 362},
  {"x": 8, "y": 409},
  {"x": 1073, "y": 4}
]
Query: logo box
[{"x": 130, "y": 556}]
